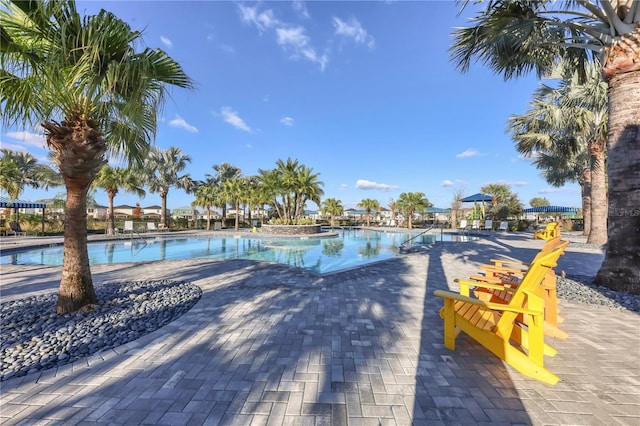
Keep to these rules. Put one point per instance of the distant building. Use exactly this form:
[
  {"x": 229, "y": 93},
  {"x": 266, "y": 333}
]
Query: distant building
[
  {"x": 123, "y": 211},
  {"x": 153, "y": 212},
  {"x": 188, "y": 213}
]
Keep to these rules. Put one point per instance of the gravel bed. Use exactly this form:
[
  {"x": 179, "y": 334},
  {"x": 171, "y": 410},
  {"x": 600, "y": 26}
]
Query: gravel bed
[
  {"x": 34, "y": 337},
  {"x": 582, "y": 289}
]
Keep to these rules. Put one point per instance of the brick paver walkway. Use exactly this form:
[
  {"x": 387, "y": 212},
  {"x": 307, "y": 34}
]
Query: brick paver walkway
[{"x": 269, "y": 344}]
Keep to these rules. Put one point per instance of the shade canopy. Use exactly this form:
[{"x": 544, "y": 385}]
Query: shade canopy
[
  {"x": 477, "y": 197},
  {"x": 13, "y": 203},
  {"x": 437, "y": 210},
  {"x": 551, "y": 209}
]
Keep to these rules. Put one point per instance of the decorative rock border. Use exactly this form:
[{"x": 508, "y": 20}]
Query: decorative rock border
[{"x": 291, "y": 229}]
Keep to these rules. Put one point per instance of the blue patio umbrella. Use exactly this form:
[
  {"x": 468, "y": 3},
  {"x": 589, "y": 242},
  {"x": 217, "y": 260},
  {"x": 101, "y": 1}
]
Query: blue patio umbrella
[{"x": 478, "y": 198}]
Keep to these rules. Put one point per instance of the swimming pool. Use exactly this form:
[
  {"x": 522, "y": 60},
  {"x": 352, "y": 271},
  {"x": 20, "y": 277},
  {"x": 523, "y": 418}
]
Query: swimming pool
[{"x": 350, "y": 249}]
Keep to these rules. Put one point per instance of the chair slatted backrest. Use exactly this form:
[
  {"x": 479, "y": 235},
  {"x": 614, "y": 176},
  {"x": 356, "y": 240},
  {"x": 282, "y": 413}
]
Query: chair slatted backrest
[{"x": 529, "y": 285}]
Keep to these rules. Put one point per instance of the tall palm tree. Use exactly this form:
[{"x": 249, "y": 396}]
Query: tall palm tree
[
  {"x": 224, "y": 172},
  {"x": 30, "y": 171},
  {"x": 112, "y": 179},
  {"x": 234, "y": 192},
  {"x": 409, "y": 202},
  {"x": 83, "y": 81},
  {"x": 516, "y": 37},
  {"x": 271, "y": 188},
  {"x": 161, "y": 172},
  {"x": 566, "y": 122},
  {"x": 289, "y": 186},
  {"x": 10, "y": 177},
  {"x": 207, "y": 195},
  {"x": 307, "y": 187},
  {"x": 332, "y": 207},
  {"x": 369, "y": 204}
]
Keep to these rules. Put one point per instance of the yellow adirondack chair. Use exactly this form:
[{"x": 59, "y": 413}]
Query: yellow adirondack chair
[
  {"x": 552, "y": 230},
  {"x": 495, "y": 325},
  {"x": 507, "y": 274}
]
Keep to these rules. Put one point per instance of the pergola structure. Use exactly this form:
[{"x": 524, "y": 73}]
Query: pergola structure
[{"x": 12, "y": 203}]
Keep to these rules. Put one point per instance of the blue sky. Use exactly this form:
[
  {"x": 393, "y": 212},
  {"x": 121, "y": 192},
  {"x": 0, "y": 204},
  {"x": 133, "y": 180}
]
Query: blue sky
[{"x": 364, "y": 93}]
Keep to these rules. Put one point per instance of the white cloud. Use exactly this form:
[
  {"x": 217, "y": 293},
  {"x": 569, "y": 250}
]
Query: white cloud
[
  {"x": 232, "y": 117},
  {"x": 353, "y": 30},
  {"x": 290, "y": 38},
  {"x": 301, "y": 9},
  {"x": 566, "y": 190},
  {"x": 368, "y": 185},
  {"x": 13, "y": 147},
  {"x": 287, "y": 121},
  {"x": 468, "y": 153},
  {"x": 263, "y": 20},
  {"x": 181, "y": 124},
  {"x": 344, "y": 186},
  {"x": 508, "y": 182},
  {"x": 36, "y": 140},
  {"x": 447, "y": 182},
  {"x": 166, "y": 41},
  {"x": 294, "y": 40}
]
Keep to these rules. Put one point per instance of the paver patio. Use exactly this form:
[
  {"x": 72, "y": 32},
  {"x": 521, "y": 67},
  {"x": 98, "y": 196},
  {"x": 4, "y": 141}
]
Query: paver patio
[{"x": 270, "y": 344}]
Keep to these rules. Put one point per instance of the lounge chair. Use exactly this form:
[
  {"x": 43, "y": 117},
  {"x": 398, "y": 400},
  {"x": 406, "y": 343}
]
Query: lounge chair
[
  {"x": 475, "y": 225},
  {"x": 504, "y": 226},
  {"x": 496, "y": 326},
  {"x": 463, "y": 224},
  {"x": 151, "y": 227},
  {"x": 488, "y": 225},
  {"x": 162, "y": 227},
  {"x": 552, "y": 230},
  {"x": 506, "y": 274},
  {"x": 128, "y": 226}
]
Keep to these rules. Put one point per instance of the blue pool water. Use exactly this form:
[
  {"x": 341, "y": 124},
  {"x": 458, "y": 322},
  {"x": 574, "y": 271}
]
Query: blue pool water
[{"x": 352, "y": 248}]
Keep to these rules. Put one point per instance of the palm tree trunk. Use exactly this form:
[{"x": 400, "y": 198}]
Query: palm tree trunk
[
  {"x": 585, "y": 184},
  {"x": 111, "y": 221},
  {"x": 208, "y": 218},
  {"x": 78, "y": 151},
  {"x": 163, "y": 213},
  {"x": 598, "y": 227},
  {"x": 76, "y": 286},
  {"x": 237, "y": 216},
  {"x": 621, "y": 267}
]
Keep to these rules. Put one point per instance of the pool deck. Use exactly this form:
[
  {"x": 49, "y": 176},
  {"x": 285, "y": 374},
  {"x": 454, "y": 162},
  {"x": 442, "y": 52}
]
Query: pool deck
[{"x": 271, "y": 344}]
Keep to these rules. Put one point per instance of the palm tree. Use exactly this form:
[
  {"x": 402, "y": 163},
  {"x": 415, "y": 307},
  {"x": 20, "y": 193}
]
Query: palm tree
[
  {"x": 83, "y": 81},
  {"x": 307, "y": 187},
  {"x": 224, "y": 172},
  {"x": 409, "y": 202},
  {"x": 161, "y": 172},
  {"x": 393, "y": 206},
  {"x": 111, "y": 179},
  {"x": 30, "y": 172},
  {"x": 332, "y": 207},
  {"x": 234, "y": 192},
  {"x": 289, "y": 186},
  {"x": 207, "y": 195},
  {"x": 570, "y": 120},
  {"x": 369, "y": 204},
  {"x": 10, "y": 178},
  {"x": 456, "y": 206},
  {"x": 516, "y": 37}
]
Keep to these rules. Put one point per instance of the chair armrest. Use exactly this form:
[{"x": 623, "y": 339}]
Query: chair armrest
[
  {"x": 481, "y": 284},
  {"x": 487, "y": 305}
]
